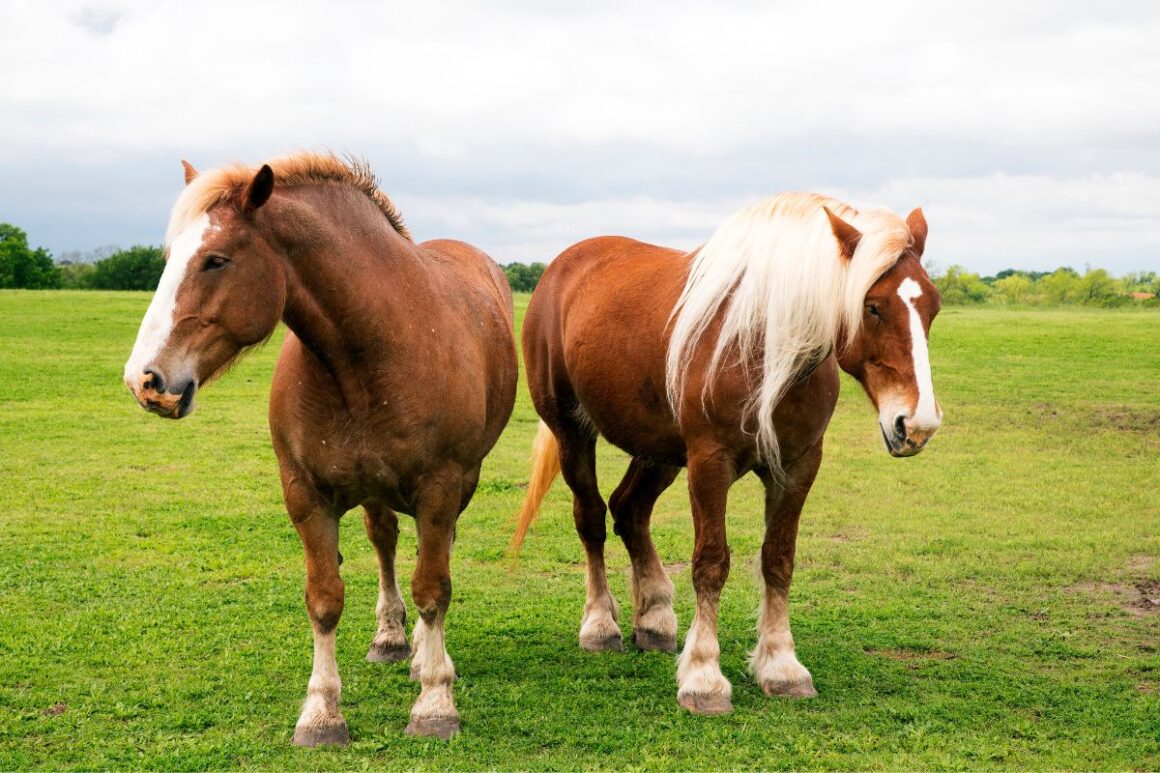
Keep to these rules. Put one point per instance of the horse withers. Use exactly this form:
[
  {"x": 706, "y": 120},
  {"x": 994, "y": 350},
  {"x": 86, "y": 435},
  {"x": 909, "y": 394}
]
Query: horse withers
[
  {"x": 725, "y": 361},
  {"x": 397, "y": 374}
]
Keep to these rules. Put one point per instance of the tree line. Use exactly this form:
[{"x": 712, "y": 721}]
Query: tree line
[
  {"x": 140, "y": 267},
  {"x": 137, "y": 268},
  {"x": 1063, "y": 287}
]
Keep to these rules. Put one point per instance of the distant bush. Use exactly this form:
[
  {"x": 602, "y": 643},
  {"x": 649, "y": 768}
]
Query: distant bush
[
  {"x": 137, "y": 268},
  {"x": 958, "y": 286},
  {"x": 23, "y": 267},
  {"x": 523, "y": 277},
  {"x": 1013, "y": 289},
  {"x": 76, "y": 276}
]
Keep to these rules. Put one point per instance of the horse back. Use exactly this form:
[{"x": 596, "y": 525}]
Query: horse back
[{"x": 458, "y": 257}]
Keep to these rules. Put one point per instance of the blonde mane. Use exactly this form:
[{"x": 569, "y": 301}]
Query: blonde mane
[
  {"x": 214, "y": 186},
  {"x": 776, "y": 273}
]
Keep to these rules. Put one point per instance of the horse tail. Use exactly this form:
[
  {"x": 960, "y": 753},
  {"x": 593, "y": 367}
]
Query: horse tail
[{"x": 545, "y": 468}]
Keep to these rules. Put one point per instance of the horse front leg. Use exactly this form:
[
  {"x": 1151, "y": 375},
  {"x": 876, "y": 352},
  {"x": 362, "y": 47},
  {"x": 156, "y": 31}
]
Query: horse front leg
[
  {"x": 703, "y": 689},
  {"x": 390, "y": 642},
  {"x": 434, "y": 712},
  {"x": 321, "y": 721},
  {"x": 773, "y": 662}
]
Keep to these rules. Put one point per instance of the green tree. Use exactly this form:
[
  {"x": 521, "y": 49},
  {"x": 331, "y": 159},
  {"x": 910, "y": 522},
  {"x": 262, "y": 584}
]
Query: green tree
[
  {"x": 1099, "y": 288},
  {"x": 76, "y": 276},
  {"x": 1061, "y": 286},
  {"x": 522, "y": 277},
  {"x": 957, "y": 286},
  {"x": 23, "y": 267},
  {"x": 137, "y": 268},
  {"x": 1013, "y": 287}
]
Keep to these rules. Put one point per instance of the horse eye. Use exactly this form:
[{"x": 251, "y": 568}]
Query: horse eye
[
  {"x": 873, "y": 309},
  {"x": 214, "y": 262}
]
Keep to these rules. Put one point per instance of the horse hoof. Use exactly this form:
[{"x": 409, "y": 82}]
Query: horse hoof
[
  {"x": 651, "y": 641},
  {"x": 388, "y": 652},
  {"x": 435, "y": 727},
  {"x": 325, "y": 735},
  {"x": 613, "y": 643},
  {"x": 789, "y": 689},
  {"x": 705, "y": 704}
]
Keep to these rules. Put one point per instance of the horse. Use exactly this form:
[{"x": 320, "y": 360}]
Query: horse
[
  {"x": 396, "y": 376},
  {"x": 723, "y": 360}
]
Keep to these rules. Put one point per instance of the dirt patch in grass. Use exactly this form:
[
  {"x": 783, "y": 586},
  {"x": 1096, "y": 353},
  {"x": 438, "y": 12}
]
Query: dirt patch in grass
[
  {"x": 1148, "y": 593},
  {"x": 1044, "y": 410},
  {"x": 679, "y": 566},
  {"x": 1126, "y": 419},
  {"x": 55, "y": 710},
  {"x": 1120, "y": 418},
  {"x": 913, "y": 658},
  {"x": 1141, "y": 598}
]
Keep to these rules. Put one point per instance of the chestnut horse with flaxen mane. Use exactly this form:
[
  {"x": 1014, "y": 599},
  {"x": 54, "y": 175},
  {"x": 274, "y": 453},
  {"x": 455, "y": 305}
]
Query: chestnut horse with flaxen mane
[
  {"x": 725, "y": 361},
  {"x": 395, "y": 379}
]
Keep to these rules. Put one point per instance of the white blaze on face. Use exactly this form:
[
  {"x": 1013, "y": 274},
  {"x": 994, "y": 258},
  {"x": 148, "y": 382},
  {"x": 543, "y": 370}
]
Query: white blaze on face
[
  {"x": 926, "y": 413},
  {"x": 159, "y": 319}
]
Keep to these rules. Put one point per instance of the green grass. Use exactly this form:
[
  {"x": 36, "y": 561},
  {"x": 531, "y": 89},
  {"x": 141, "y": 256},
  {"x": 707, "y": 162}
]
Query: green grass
[{"x": 974, "y": 607}]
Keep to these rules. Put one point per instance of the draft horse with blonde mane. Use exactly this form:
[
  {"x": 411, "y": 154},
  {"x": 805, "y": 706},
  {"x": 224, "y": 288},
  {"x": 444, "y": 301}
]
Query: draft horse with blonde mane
[
  {"x": 724, "y": 361},
  {"x": 396, "y": 377}
]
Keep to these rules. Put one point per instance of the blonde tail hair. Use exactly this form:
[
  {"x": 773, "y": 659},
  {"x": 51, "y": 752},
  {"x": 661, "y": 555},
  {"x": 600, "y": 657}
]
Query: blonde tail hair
[{"x": 545, "y": 468}]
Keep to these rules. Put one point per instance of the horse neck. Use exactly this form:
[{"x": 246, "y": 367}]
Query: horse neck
[{"x": 349, "y": 272}]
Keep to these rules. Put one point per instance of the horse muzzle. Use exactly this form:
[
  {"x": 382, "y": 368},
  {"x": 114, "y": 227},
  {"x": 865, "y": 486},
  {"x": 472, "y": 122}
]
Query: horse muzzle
[
  {"x": 170, "y": 399},
  {"x": 905, "y": 436}
]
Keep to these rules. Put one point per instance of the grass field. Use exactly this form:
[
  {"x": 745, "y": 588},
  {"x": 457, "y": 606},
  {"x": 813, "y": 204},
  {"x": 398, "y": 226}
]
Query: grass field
[{"x": 984, "y": 605}]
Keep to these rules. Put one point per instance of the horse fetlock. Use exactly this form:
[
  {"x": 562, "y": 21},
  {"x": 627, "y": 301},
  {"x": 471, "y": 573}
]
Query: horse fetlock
[
  {"x": 781, "y": 674},
  {"x": 321, "y": 722},
  {"x": 655, "y": 628},
  {"x": 599, "y": 631},
  {"x": 389, "y": 647},
  {"x": 427, "y": 670}
]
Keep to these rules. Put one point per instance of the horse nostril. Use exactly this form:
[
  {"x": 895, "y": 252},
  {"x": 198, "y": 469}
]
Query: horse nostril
[
  {"x": 900, "y": 428},
  {"x": 154, "y": 381}
]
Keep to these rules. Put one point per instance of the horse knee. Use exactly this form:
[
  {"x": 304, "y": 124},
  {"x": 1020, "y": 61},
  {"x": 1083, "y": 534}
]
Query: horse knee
[
  {"x": 324, "y": 602},
  {"x": 431, "y": 594}
]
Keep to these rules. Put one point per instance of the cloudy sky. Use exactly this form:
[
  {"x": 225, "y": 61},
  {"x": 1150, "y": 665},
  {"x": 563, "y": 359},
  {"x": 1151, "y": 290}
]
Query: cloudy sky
[{"x": 1028, "y": 131}]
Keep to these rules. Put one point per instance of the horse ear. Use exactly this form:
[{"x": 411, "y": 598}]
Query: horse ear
[
  {"x": 258, "y": 191},
  {"x": 847, "y": 235},
  {"x": 190, "y": 172},
  {"x": 917, "y": 225}
]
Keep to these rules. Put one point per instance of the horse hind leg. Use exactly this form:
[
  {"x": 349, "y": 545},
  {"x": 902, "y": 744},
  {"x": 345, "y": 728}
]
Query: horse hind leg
[
  {"x": 599, "y": 629},
  {"x": 654, "y": 624},
  {"x": 390, "y": 642}
]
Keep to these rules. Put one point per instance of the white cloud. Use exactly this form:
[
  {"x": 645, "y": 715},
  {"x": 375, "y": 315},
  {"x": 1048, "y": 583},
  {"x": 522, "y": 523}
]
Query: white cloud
[
  {"x": 988, "y": 223},
  {"x": 1027, "y": 126}
]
